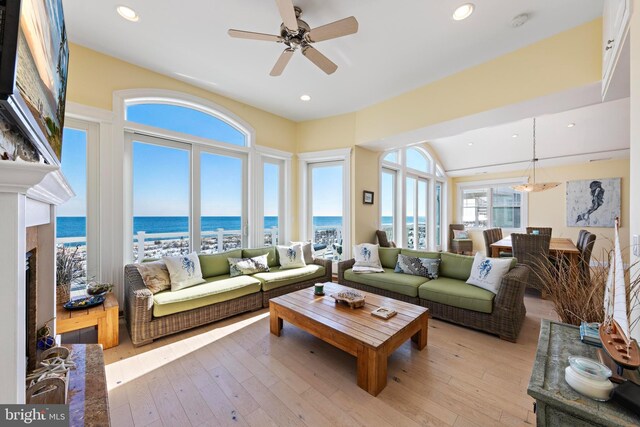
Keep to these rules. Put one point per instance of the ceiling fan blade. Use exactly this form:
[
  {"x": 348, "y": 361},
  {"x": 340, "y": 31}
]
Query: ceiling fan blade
[
  {"x": 288, "y": 14},
  {"x": 324, "y": 63},
  {"x": 336, "y": 29},
  {"x": 282, "y": 62},
  {"x": 254, "y": 36}
]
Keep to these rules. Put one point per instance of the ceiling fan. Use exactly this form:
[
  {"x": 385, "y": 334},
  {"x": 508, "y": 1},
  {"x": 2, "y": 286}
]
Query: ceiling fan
[{"x": 295, "y": 33}]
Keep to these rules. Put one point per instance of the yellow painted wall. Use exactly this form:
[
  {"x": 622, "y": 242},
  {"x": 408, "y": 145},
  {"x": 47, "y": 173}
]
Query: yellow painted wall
[
  {"x": 364, "y": 218},
  {"x": 567, "y": 60},
  {"x": 548, "y": 208},
  {"x": 93, "y": 77}
]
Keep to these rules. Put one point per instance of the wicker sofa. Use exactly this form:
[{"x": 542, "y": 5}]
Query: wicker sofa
[
  {"x": 150, "y": 316},
  {"x": 448, "y": 297}
]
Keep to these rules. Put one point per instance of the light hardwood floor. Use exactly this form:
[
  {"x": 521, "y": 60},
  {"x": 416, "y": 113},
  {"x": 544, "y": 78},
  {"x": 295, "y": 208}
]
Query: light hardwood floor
[{"x": 235, "y": 373}]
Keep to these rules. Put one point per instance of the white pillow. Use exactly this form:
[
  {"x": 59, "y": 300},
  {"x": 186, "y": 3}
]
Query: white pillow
[
  {"x": 291, "y": 256},
  {"x": 367, "y": 259},
  {"x": 184, "y": 271},
  {"x": 487, "y": 273},
  {"x": 307, "y": 251}
]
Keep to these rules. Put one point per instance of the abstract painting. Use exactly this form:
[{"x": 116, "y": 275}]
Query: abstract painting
[{"x": 593, "y": 202}]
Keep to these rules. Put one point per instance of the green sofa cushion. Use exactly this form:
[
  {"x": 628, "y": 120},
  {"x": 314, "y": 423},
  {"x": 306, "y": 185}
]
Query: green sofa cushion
[
  {"x": 272, "y": 259},
  {"x": 420, "y": 254},
  {"x": 216, "y": 264},
  {"x": 388, "y": 257},
  {"x": 276, "y": 278},
  {"x": 214, "y": 290},
  {"x": 404, "y": 284},
  {"x": 457, "y": 293},
  {"x": 456, "y": 266}
]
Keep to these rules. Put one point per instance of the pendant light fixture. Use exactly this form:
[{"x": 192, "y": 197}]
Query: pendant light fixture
[{"x": 535, "y": 186}]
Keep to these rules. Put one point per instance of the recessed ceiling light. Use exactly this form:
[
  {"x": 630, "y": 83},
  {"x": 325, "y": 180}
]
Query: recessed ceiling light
[
  {"x": 519, "y": 20},
  {"x": 515, "y": 135},
  {"x": 128, "y": 13},
  {"x": 305, "y": 98},
  {"x": 570, "y": 125},
  {"x": 470, "y": 144},
  {"x": 463, "y": 12}
]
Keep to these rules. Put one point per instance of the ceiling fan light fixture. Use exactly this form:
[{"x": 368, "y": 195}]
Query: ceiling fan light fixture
[
  {"x": 463, "y": 12},
  {"x": 127, "y": 13},
  {"x": 305, "y": 98}
]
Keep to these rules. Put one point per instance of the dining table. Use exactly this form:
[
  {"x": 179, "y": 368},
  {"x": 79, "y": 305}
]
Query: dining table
[{"x": 558, "y": 246}]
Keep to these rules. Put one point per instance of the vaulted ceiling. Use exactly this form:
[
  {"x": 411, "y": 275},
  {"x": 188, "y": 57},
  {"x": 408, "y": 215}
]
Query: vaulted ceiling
[{"x": 400, "y": 45}]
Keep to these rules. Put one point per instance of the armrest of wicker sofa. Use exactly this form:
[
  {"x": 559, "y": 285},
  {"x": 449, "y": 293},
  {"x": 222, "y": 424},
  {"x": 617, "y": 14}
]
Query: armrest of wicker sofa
[
  {"x": 326, "y": 263},
  {"x": 138, "y": 301},
  {"x": 511, "y": 292},
  {"x": 344, "y": 266}
]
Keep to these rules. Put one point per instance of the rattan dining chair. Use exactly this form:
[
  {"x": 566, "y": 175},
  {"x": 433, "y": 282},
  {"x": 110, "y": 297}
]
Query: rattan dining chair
[
  {"x": 532, "y": 250},
  {"x": 540, "y": 230},
  {"x": 459, "y": 246},
  {"x": 492, "y": 235},
  {"x": 586, "y": 241}
]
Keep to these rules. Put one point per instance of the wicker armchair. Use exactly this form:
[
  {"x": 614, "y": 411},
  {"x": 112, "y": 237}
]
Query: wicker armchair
[
  {"x": 491, "y": 235},
  {"x": 539, "y": 230},
  {"x": 533, "y": 251},
  {"x": 459, "y": 246}
]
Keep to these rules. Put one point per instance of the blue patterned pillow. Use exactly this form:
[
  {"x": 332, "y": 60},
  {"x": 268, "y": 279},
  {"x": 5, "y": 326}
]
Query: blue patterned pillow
[{"x": 415, "y": 266}]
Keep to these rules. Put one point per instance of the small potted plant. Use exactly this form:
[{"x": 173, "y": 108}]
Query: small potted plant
[{"x": 68, "y": 270}]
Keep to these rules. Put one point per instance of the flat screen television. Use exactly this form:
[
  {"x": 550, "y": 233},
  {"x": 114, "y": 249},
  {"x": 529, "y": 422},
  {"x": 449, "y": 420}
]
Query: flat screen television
[{"x": 34, "y": 60}]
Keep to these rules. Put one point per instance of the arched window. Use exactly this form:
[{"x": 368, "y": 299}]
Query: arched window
[
  {"x": 187, "y": 120},
  {"x": 188, "y": 167},
  {"x": 411, "y": 200}
]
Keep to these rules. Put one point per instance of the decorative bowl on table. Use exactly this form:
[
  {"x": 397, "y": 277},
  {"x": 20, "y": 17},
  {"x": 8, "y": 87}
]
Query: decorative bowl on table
[
  {"x": 95, "y": 289},
  {"x": 84, "y": 302},
  {"x": 352, "y": 298}
]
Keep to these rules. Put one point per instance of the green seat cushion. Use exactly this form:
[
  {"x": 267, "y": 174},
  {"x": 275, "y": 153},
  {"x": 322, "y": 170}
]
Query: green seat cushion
[
  {"x": 420, "y": 254},
  {"x": 457, "y": 293},
  {"x": 214, "y": 290},
  {"x": 272, "y": 258},
  {"x": 456, "y": 266},
  {"x": 277, "y": 278},
  {"x": 404, "y": 284},
  {"x": 388, "y": 256},
  {"x": 216, "y": 264}
]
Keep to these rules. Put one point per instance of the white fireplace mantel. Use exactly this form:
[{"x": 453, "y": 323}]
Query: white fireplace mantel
[{"x": 28, "y": 194}]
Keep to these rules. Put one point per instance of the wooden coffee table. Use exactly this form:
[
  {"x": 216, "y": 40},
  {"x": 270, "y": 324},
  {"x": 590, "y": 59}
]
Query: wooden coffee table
[{"x": 355, "y": 331}]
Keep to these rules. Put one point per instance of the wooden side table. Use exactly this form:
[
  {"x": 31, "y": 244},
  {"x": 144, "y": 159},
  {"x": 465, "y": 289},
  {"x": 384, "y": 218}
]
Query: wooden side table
[{"x": 104, "y": 316}]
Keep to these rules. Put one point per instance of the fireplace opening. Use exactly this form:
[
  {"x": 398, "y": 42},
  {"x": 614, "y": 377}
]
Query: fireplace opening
[{"x": 31, "y": 337}]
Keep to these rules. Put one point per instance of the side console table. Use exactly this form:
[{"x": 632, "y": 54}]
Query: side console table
[
  {"x": 557, "y": 404},
  {"x": 103, "y": 316}
]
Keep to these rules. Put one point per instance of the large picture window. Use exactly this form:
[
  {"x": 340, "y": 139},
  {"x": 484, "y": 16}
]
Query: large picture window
[
  {"x": 492, "y": 205},
  {"x": 412, "y": 190},
  {"x": 189, "y": 179}
]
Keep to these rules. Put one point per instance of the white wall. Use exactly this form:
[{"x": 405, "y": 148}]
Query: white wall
[{"x": 634, "y": 217}]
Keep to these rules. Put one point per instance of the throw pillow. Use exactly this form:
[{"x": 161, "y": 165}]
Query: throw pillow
[
  {"x": 487, "y": 273},
  {"x": 460, "y": 234},
  {"x": 307, "y": 251},
  {"x": 155, "y": 276},
  {"x": 240, "y": 266},
  {"x": 415, "y": 266},
  {"x": 184, "y": 271},
  {"x": 291, "y": 256},
  {"x": 367, "y": 259}
]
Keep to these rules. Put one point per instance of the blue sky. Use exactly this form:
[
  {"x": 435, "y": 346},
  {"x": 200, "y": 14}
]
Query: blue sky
[{"x": 161, "y": 174}]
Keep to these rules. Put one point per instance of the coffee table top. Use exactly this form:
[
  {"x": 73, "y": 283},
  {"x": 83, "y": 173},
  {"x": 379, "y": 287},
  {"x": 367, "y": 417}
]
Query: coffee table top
[{"x": 356, "y": 323}]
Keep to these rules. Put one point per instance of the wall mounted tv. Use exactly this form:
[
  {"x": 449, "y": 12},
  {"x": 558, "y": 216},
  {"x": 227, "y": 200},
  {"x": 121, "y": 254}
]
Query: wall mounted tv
[{"x": 34, "y": 60}]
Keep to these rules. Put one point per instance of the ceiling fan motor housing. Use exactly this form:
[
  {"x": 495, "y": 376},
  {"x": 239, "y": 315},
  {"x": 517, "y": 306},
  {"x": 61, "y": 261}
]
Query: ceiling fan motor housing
[{"x": 295, "y": 39}]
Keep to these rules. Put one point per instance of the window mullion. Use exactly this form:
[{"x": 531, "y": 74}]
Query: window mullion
[{"x": 196, "y": 203}]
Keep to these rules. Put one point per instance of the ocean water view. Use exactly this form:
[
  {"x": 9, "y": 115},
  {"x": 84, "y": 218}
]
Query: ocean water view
[{"x": 76, "y": 226}]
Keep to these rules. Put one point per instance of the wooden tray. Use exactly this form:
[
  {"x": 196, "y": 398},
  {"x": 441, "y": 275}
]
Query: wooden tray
[{"x": 351, "y": 298}]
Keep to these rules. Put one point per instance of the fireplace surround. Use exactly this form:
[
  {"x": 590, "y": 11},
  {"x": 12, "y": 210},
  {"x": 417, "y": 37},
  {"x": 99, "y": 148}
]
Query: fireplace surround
[{"x": 29, "y": 193}]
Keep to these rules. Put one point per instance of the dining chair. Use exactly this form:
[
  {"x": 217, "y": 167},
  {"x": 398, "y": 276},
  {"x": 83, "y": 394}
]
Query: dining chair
[
  {"x": 493, "y": 235},
  {"x": 540, "y": 230},
  {"x": 532, "y": 250},
  {"x": 459, "y": 246},
  {"x": 585, "y": 246}
]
